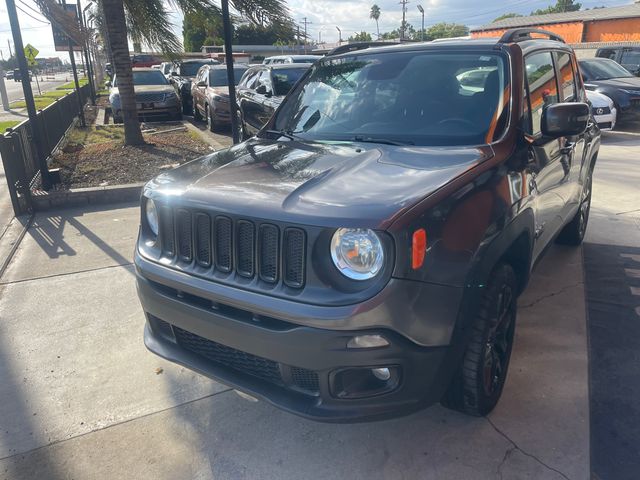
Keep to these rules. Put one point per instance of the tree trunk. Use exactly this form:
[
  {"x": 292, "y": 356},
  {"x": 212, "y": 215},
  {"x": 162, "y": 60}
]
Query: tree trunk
[
  {"x": 121, "y": 63},
  {"x": 378, "y": 29}
]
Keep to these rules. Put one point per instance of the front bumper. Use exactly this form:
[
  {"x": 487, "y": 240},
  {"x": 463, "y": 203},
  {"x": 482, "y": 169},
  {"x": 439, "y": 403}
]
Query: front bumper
[
  {"x": 289, "y": 364},
  {"x": 606, "y": 121}
]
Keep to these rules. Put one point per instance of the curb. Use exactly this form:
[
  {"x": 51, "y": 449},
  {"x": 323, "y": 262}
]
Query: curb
[{"x": 78, "y": 197}]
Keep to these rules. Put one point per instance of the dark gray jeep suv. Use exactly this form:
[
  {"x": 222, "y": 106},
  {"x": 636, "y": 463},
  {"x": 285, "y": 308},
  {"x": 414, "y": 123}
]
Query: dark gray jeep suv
[{"x": 361, "y": 257}]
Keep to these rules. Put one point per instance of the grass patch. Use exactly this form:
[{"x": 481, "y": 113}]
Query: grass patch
[
  {"x": 72, "y": 85},
  {"x": 7, "y": 124},
  {"x": 97, "y": 134},
  {"x": 42, "y": 101}
]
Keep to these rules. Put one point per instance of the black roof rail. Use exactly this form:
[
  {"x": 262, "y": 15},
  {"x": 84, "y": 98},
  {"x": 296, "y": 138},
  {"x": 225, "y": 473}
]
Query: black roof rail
[
  {"x": 352, "y": 47},
  {"x": 521, "y": 34}
]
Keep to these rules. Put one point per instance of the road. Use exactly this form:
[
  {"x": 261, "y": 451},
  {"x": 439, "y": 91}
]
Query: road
[{"x": 14, "y": 89}]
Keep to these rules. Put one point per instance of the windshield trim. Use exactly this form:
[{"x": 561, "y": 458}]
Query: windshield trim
[{"x": 509, "y": 77}]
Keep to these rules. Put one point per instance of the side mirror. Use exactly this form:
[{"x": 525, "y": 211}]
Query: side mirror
[
  {"x": 262, "y": 90},
  {"x": 201, "y": 83},
  {"x": 173, "y": 73},
  {"x": 565, "y": 119}
]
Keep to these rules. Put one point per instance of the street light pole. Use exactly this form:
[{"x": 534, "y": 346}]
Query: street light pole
[
  {"x": 339, "y": 35},
  {"x": 422, "y": 31}
]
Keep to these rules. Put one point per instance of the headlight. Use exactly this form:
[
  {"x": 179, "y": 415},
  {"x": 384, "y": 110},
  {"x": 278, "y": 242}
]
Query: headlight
[
  {"x": 152, "y": 216},
  {"x": 357, "y": 253}
]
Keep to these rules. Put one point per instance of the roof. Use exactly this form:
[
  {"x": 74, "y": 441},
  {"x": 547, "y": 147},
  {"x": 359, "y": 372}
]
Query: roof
[
  {"x": 626, "y": 11},
  {"x": 282, "y": 66}
]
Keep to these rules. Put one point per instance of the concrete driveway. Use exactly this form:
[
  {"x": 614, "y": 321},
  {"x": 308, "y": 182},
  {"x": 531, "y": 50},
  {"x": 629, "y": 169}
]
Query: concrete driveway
[{"x": 81, "y": 398}]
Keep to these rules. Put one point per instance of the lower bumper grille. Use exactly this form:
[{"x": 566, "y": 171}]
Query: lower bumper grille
[{"x": 247, "y": 363}]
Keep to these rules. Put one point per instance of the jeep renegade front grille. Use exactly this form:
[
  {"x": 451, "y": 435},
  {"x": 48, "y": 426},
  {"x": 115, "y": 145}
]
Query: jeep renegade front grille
[{"x": 222, "y": 244}]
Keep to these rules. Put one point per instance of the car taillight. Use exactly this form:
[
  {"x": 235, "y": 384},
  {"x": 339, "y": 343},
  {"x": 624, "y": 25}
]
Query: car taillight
[{"x": 418, "y": 248}]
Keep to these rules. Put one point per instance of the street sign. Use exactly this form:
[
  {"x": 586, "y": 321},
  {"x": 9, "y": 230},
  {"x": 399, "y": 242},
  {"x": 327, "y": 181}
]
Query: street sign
[
  {"x": 60, "y": 38},
  {"x": 31, "y": 52}
]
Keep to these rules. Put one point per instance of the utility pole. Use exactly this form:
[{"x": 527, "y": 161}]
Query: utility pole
[
  {"x": 422, "y": 31},
  {"x": 3, "y": 92},
  {"x": 404, "y": 23},
  {"x": 228, "y": 55},
  {"x": 36, "y": 134},
  {"x": 10, "y": 52},
  {"x": 72, "y": 58},
  {"x": 339, "y": 35},
  {"x": 306, "y": 22}
]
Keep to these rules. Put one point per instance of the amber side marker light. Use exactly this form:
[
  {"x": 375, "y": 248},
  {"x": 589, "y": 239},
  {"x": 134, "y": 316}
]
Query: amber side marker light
[{"x": 418, "y": 248}]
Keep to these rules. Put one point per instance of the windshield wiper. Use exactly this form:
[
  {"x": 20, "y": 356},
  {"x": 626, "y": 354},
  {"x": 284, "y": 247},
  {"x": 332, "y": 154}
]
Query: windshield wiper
[
  {"x": 384, "y": 141},
  {"x": 283, "y": 133}
]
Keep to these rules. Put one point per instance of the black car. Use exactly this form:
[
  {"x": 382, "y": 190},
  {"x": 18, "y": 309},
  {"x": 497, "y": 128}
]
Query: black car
[
  {"x": 261, "y": 90},
  {"x": 362, "y": 256},
  {"x": 183, "y": 74},
  {"x": 628, "y": 57},
  {"x": 609, "y": 78}
]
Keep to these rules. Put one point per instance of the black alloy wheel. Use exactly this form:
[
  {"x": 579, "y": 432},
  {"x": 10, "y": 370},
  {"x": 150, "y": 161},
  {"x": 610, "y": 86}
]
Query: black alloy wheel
[{"x": 477, "y": 384}]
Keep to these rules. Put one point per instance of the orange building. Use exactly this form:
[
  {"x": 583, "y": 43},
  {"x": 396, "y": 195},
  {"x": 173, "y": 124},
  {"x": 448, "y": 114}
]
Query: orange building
[{"x": 614, "y": 24}]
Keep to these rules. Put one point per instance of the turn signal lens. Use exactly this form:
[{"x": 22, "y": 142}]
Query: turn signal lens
[{"x": 418, "y": 248}]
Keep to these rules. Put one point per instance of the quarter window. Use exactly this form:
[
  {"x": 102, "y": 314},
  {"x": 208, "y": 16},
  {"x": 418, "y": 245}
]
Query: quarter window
[
  {"x": 566, "y": 77},
  {"x": 543, "y": 88}
]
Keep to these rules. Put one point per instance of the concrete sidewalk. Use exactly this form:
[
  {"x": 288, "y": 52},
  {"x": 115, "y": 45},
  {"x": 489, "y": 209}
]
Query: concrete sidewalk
[{"x": 81, "y": 398}]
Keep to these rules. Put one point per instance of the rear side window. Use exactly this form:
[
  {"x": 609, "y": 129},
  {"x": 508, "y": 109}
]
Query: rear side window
[
  {"x": 607, "y": 53},
  {"x": 630, "y": 58},
  {"x": 566, "y": 77},
  {"x": 542, "y": 85}
]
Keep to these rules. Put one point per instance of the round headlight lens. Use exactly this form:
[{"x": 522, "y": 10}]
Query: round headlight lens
[
  {"x": 357, "y": 253},
  {"x": 152, "y": 216}
]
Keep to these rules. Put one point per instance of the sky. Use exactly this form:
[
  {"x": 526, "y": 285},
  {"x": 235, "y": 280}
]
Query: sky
[{"x": 350, "y": 16}]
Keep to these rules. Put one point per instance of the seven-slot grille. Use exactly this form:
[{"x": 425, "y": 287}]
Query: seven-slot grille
[
  {"x": 149, "y": 97},
  {"x": 228, "y": 245}
]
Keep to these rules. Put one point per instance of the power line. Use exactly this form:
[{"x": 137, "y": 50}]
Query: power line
[
  {"x": 31, "y": 16},
  {"x": 24, "y": 4}
]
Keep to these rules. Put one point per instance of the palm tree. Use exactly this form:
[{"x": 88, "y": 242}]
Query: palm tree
[
  {"x": 375, "y": 15},
  {"x": 149, "y": 23}
]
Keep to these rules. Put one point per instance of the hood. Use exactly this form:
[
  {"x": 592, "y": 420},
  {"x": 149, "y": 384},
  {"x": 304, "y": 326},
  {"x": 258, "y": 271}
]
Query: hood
[
  {"x": 222, "y": 91},
  {"x": 598, "y": 100},
  {"x": 622, "y": 82},
  {"x": 315, "y": 184}
]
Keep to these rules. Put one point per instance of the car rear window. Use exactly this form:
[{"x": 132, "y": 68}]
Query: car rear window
[
  {"x": 421, "y": 98},
  {"x": 218, "y": 77},
  {"x": 285, "y": 78},
  {"x": 147, "y": 77}
]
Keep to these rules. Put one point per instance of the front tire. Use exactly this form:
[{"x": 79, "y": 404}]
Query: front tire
[
  {"x": 573, "y": 232},
  {"x": 477, "y": 384}
]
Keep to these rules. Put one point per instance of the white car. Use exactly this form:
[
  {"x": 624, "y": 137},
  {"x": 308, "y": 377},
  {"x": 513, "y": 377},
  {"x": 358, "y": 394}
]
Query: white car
[
  {"x": 290, "y": 59},
  {"x": 604, "y": 110}
]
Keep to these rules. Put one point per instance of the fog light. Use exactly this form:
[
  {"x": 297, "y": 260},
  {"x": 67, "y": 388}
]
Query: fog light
[
  {"x": 362, "y": 382},
  {"x": 367, "y": 341},
  {"x": 382, "y": 373}
]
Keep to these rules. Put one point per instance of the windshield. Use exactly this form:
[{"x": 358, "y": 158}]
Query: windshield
[
  {"x": 146, "y": 77},
  {"x": 603, "y": 69},
  {"x": 190, "y": 69},
  {"x": 421, "y": 98},
  {"x": 218, "y": 77},
  {"x": 285, "y": 78}
]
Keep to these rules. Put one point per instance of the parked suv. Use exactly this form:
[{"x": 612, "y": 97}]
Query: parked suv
[
  {"x": 628, "y": 57},
  {"x": 362, "y": 256}
]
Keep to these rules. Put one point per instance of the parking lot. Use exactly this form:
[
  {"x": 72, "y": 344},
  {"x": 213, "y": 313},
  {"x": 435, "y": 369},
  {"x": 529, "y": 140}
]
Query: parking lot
[{"x": 82, "y": 398}]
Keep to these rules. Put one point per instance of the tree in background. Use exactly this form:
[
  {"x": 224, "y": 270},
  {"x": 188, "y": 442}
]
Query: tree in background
[
  {"x": 445, "y": 30},
  {"x": 200, "y": 29},
  {"x": 560, "y": 7},
  {"x": 409, "y": 32},
  {"x": 507, "y": 15},
  {"x": 264, "y": 35},
  {"x": 374, "y": 14},
  {"x": 360, "y": 37}
]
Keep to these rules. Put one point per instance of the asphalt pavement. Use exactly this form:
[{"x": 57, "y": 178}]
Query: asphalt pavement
[{"x": 14, "y": 89}]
